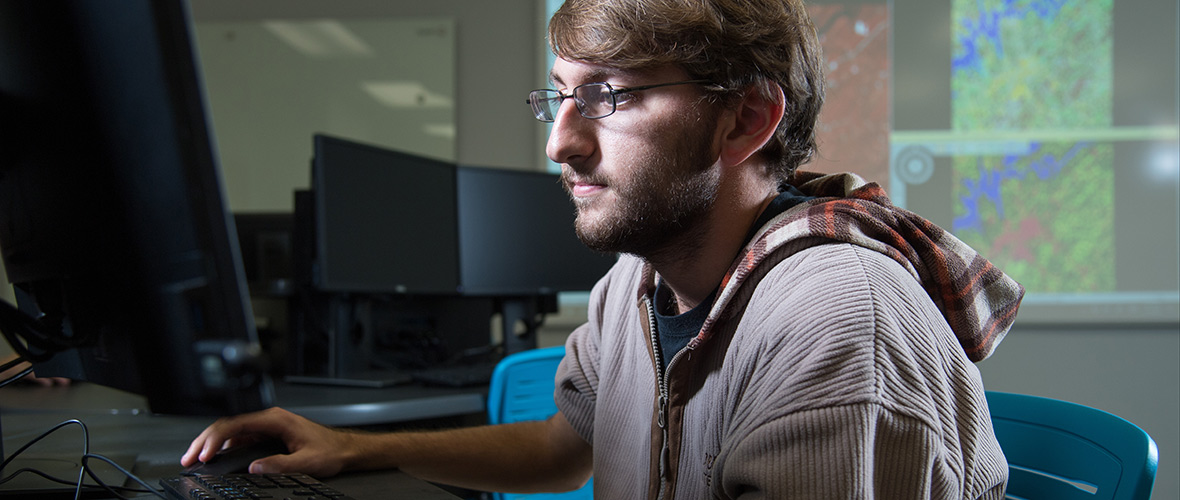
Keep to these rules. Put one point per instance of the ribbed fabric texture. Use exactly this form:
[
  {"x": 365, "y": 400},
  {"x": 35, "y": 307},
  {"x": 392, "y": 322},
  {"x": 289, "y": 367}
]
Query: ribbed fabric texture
[
  {"x": 830, "y": 375},
  {"x": 835, "y": 363}
]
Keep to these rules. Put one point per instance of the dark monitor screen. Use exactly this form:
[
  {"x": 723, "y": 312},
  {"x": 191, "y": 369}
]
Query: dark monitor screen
[
  {"x": 113, "y": 223},
  {"x": 393, "y": 222},
  {"x": 384, "y": 220},
  {"x": 516, "y": 235}
]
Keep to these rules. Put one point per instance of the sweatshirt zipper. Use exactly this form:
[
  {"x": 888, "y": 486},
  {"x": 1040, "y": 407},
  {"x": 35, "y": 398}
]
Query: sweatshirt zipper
[{"x": 662, "y": 383}]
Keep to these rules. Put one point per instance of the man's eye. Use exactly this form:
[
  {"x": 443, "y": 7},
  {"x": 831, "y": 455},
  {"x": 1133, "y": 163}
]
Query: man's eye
[{"x": 625, "y": 97}]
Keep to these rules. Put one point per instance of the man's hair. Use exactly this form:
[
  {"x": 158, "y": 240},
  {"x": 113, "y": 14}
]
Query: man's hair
[{"x": 738, "y": 44}]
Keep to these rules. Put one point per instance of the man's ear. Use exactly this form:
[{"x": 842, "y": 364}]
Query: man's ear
[{"x": 754, "y": 123}]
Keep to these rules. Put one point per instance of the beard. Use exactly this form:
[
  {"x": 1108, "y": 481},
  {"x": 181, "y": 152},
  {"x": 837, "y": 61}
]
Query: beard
[{"x": 661, "y": 207}]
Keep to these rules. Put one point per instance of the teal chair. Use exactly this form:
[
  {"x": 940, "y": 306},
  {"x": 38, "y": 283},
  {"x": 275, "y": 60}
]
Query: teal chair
[
  {"x": 522, "y": 389},
  {"x": 1064, "y": 451}
]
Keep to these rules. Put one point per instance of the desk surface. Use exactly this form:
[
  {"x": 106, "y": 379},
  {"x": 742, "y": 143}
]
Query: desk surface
[
  {"x": 355, "y": 406},
  {"x": 120, "y": 425},
  {"x": 328, "y": 405}
]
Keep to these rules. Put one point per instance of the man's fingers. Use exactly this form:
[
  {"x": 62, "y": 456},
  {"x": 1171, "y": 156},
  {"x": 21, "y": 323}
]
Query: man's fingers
[{"x": 233, "y": 431}]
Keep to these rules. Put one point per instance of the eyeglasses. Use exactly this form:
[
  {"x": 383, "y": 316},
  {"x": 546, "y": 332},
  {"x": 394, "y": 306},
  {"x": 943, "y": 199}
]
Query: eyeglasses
[{"x": 594, "y": 100}]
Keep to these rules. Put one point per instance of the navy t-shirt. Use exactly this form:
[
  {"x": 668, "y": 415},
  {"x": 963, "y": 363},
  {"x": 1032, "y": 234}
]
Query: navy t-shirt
[{"x": 676, "y": 330}]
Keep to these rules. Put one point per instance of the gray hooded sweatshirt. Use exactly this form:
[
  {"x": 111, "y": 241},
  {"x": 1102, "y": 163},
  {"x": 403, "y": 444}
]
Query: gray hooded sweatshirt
[{"x": 836, "y": 362}]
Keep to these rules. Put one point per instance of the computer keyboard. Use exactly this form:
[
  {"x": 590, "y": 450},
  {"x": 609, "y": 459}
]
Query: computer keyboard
[{"x": 249, "y": 486}]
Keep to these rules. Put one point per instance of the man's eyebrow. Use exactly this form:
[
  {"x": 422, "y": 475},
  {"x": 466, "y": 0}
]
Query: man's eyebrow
[{"x": 599, "y": 75}]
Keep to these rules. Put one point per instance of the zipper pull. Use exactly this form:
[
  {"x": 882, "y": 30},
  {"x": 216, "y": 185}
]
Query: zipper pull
[{"x": 662, "y": 421}]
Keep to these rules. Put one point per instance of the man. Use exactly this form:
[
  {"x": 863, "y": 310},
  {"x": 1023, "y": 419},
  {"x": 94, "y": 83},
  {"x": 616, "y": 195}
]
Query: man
[{"x": 766, "y": 332}]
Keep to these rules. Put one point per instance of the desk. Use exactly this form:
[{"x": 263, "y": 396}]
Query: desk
[
  {"x": 356, "y": 406},
  {"x": 120, "y": 426},
  {"x": 329, "y": 405}
]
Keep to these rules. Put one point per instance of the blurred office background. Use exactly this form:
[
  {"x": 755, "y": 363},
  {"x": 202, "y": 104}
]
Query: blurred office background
[{"x": 1042, "y": 132}]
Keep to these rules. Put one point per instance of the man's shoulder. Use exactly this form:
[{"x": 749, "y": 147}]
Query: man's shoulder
[
  {"x": 832, "y": 266},
  {"x": 849, "y": 309},
  {"x": 833, "y": 282}
]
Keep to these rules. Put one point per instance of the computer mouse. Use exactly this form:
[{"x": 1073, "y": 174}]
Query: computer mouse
[{"x": 237, "y": 460}]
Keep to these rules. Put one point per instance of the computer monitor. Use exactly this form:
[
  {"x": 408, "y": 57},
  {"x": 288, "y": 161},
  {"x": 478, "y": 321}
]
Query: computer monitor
[
  {"x": 384, "y": 220},
  {"x": 388, "y": 221},
  {"x": 398, "y": 224},
  {"x": 516, "y": 236},
  {"x": 517, "y": 244},
  {"x": 113, "y": 222}
]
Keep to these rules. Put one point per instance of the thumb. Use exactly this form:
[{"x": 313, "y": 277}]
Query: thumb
[{"x": 274, "y": 464}]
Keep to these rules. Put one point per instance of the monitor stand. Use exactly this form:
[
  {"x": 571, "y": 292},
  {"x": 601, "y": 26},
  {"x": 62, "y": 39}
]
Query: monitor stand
[
  {"x": 343, "y": 355},
  {"x": 519, "y": 320}
]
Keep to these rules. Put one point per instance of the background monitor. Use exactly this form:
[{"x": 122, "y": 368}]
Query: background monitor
[
  {"x": 516, "y": 235},
  {"x": 113, "y": 223},
  {"x": 384, "y": 220},
  {"x": 389, "y": 223},
  {"x": 393, "y": 222}
]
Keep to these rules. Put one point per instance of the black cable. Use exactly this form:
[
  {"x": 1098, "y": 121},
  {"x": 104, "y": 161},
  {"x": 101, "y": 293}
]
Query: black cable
[
  {"x": 127, "y": 473},
  {"x": 15, "y": 362},
  {"x": 12, "y": 363},
  {"x": 36, "y": 472},
  {"x": 85, "y": 435},
  {"x": 16, "y": 377},
  {"x": 85, "y": 469},
  {"x": 86, "y": 487},
  {"x": 85, "y": 450}
]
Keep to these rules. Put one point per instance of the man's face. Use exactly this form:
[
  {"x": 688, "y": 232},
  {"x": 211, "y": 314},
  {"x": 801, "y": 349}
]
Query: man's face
[{"x": 644, "y": 175}]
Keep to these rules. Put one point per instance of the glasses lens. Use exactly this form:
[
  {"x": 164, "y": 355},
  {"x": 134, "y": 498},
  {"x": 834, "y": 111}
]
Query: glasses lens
[
  {"x": 545, "y": 104},
  {"x": 595, "y": 100}
]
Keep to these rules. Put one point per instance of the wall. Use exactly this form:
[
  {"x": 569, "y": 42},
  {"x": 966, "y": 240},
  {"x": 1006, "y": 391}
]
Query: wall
[
  {"x": 497, "y": 64},
  {"x": 272, "y": 85}
]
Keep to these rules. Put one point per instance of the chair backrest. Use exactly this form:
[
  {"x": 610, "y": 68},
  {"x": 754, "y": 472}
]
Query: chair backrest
[
  {"x": 1062, "y": 450},
  {"x": 522, "y": 389}
]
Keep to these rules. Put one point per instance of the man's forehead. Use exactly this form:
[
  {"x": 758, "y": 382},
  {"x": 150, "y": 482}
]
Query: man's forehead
[{"x": 569, "y": 72}]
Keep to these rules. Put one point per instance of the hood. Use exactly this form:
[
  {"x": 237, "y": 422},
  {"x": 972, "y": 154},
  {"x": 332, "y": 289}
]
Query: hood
[{"x": 978, "y": 300}]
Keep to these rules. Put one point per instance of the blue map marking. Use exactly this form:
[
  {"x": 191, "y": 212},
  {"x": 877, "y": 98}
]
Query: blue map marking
[
  {"x": 987, "y": 27},
  {"x": 988, "y": 186}
]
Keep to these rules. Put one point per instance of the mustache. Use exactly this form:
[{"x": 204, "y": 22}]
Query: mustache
[{"x": 569, "y": 178}]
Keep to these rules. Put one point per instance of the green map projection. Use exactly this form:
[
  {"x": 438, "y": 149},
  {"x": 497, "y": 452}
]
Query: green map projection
[
  {"x": 1042, "y": 211},
  {"x": 1044, "y": 217}
]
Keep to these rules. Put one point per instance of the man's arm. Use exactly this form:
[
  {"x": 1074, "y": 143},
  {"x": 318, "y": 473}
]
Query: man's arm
[{"x": 521, "y": 457}]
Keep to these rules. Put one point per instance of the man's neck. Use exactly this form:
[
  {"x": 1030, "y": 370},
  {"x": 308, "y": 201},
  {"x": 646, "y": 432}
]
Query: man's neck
[{"x": 694, "y": 265}]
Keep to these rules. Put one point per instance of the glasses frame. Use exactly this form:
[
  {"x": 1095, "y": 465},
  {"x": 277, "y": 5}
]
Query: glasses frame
[{"x": 542, "y": 114}]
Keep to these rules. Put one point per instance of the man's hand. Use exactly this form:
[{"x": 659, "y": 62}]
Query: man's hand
[
  {"x": 314, "y": 449},
  {"x": 537, "y": 456}
]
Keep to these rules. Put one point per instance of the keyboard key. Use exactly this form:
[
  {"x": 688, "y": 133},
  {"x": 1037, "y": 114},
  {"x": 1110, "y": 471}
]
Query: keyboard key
[{"x": 249, "y": 487}]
